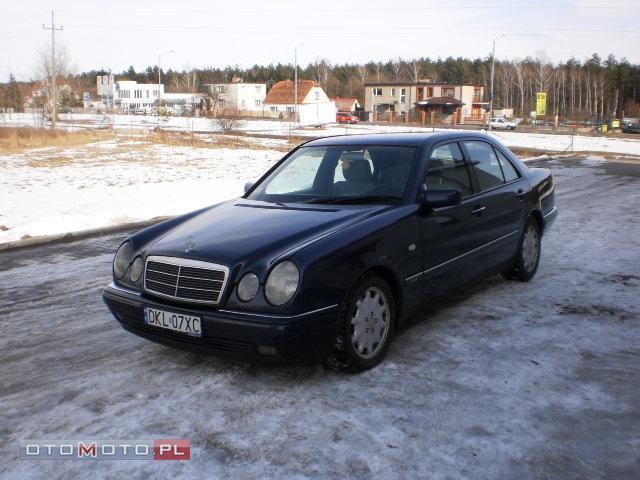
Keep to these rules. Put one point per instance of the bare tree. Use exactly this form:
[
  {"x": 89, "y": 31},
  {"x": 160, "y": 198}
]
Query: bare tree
[
  {"x": 415, "y": 70},
  {"x": 216, "y": 98},
  {"x": 395, "y": 68},
  {"x": 544, "y": 71},
  {"x": 187, "y": 80},
  {"x": 518, "y": 70},
  {"x": 378, "y": 69},
  {"x": 322, "y": 71},
  {"x": 52, "y": 65}
]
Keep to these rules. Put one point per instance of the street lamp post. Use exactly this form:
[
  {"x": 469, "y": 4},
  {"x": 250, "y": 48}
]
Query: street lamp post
[
  {"x": 159, "y": 84},
  {"x": 493, "y": 64}
]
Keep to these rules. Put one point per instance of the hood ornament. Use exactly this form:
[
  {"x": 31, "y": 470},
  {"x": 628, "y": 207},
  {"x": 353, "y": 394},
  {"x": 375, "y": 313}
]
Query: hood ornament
[{"x": 189, "y": 244}]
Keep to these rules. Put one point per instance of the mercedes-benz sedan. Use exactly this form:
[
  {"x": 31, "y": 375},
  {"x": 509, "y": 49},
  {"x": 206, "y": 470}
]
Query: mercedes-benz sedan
[{"x": 333, "y": 247}]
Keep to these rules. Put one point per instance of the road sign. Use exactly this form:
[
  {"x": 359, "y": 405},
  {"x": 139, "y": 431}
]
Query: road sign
[{"x": 541, "y": 103}]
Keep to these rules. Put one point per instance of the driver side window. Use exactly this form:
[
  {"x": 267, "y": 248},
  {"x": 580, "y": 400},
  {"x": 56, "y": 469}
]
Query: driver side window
[{"x": 447, "y": 170}]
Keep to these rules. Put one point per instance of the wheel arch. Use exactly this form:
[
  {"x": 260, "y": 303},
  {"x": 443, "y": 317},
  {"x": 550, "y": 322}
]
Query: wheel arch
[{"x": 389, "y": 276}]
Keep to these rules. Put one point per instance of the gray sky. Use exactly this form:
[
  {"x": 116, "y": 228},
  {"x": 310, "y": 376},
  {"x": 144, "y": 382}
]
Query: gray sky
[{"x": 114, "y": 34}]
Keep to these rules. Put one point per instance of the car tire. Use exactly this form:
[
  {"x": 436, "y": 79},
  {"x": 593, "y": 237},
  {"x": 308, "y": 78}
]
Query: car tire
[
  {"x": 529, "y": 252},
  {"x": 366, "y": 326}
]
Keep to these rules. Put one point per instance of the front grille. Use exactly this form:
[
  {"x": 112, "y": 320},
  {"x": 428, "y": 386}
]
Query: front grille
[{"x": 184, "y": 279}]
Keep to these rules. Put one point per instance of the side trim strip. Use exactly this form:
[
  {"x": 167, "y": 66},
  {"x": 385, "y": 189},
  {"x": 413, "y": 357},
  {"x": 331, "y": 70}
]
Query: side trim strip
[{"x": 459, "y": 257}]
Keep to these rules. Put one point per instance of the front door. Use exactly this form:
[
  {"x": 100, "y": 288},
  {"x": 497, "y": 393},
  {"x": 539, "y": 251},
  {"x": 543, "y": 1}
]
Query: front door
[{"x": 451, "y": 237}]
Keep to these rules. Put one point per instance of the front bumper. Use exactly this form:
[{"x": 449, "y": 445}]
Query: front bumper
[{"x": 308, "y": 336}]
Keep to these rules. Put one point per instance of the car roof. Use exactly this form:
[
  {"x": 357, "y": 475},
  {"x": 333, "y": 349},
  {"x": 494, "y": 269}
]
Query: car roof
[{"x": 399, "y": 139}]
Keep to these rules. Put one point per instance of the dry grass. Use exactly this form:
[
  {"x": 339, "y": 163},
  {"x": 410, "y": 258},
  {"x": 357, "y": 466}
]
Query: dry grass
[
  {"x": 54, "y": 161},
  {"x": 182, "y": 139},
  {"x": 16, "y": 139}
]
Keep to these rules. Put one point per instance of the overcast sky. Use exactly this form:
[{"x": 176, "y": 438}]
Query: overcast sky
[{"x": 114, "y": 34}]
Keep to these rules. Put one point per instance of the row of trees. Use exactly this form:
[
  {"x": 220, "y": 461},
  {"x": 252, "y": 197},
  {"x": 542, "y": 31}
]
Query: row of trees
[{"x": 595, "y": 87}]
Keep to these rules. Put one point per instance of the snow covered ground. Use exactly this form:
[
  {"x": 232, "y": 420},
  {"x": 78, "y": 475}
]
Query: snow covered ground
[
  {"x": 541, "y": 141},
  {"x": 506, "y": 380},
  {"x": 59, "y": 190}
]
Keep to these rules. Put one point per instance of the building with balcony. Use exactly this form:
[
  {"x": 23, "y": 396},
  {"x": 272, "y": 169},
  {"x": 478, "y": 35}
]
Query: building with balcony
[{"x": 445, "y": 102}]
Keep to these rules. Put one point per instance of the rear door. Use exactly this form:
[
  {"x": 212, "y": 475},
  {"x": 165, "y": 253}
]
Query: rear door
[
  {"x": 451, "y": 236},
  {"x": 501, "y": 193}
]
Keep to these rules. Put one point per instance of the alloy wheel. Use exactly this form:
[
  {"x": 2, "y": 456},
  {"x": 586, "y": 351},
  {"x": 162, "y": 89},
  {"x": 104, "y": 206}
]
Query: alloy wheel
[
  {"x": 370, "y": 322},
  {"x": 530, "y": 248}
]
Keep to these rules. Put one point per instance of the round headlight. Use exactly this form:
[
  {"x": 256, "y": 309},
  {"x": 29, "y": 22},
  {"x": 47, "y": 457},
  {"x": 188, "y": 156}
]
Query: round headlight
[
  {"x": 282, "y": 283},
  {"x": 136, "y": 270},
  {"x": 122, "y": 260},
  {"x": 248, "y": 287}
]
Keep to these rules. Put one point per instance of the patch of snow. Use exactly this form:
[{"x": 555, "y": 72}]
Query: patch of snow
[{"x": 111, "y": 183}]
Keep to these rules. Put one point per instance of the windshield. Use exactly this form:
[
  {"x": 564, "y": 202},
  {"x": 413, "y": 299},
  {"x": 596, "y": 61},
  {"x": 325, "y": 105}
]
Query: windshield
[{"x": 340, "y": 174}]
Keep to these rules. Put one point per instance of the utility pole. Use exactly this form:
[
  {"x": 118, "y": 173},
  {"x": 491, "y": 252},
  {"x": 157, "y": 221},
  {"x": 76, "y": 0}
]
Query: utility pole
[
  {"x": 295, "y": 82},
  {"x": 53, "y": 72},
  {"x": 295, "y": 85}
]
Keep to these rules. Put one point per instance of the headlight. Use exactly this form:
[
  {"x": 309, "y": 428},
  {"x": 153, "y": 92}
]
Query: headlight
[
  {"x": 282, "y": 283},
  {"x": 136, "y": 270},
  {"x": 248, "y": 287},
  {"x": 122, "y": 259}
]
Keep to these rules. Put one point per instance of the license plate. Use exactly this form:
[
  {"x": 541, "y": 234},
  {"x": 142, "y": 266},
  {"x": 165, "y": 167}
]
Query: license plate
[{"x": 177, "y": 322}]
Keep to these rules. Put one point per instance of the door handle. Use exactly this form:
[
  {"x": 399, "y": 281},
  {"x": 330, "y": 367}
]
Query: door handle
[
  {"x": 520, "y": 194},
  {"x": 477, "y": 211}
]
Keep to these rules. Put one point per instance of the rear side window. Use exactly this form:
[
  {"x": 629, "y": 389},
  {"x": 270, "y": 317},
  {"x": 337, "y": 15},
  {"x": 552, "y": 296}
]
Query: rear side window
[
  {"x": 485, "y": 162},
  {"x": 447, "y": 170},
  {"x": 510, "y": 173}
]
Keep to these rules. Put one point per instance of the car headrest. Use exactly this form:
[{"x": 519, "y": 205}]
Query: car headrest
[{"x": 356, "y": 170}]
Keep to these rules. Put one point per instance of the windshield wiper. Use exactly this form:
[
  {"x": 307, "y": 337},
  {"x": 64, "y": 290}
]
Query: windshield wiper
[{"x": 356, "y": 199}]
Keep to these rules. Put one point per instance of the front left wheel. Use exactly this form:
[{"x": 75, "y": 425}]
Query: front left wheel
[{"x": 367, "y": 324}]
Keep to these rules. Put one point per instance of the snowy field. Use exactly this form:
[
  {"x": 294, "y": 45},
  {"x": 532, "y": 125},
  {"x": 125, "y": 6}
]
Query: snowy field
[
  {"x": 540, "y": 141},
  {"x": 505, "y": 381},
  {"x": 59, "y": 190}
]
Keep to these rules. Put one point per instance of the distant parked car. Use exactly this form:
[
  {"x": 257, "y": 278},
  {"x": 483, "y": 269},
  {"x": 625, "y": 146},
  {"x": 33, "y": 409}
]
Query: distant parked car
[
  {"x": 628, "y": 127},
  {"x": 503, "y": 124},
  {"x": 346, "y": 117},
  {"x": 337, "y": 243}
]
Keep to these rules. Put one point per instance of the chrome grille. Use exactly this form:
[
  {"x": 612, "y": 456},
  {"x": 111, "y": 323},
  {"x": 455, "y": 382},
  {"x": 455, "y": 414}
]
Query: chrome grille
[{"x": 185, "y": 279}]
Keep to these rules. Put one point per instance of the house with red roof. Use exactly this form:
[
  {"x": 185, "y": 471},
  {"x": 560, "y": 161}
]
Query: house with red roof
[
  {"x": 346, "y": 104},
  {"x": 313, "y": 106}
]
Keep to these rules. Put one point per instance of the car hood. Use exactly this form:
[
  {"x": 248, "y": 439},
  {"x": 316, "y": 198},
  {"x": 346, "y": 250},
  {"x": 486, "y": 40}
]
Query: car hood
[{"x": 243, "y": 231}]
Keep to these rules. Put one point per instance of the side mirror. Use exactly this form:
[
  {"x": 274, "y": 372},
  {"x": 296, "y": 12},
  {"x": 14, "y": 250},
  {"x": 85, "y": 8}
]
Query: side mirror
[
  {"x": 431, "y": 199},
  {"x": 247, "y": 186}
]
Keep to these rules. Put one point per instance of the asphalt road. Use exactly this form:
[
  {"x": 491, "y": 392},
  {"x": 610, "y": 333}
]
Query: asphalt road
[{"x": 506, "y": 380}]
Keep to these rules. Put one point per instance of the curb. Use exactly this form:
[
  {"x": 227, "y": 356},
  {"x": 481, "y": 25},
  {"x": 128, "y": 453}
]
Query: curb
[{"x": 74, "y": 236}]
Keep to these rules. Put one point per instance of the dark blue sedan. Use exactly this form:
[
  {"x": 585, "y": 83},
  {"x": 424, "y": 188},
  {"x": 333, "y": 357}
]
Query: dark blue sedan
[{"x": 332, "y": 248}]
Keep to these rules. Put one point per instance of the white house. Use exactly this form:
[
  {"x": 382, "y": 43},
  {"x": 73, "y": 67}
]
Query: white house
[
  {"x": 314, "y": 106},
  {"x": 131, "y": 96},
  {"x": 237, "y": 94}
]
